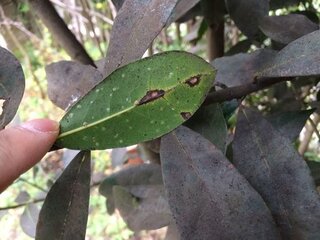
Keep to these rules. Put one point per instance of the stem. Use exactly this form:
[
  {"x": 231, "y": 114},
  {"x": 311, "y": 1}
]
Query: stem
[
  {"x": 241, "y": 91},
  {"x": 51, "y": 19}
]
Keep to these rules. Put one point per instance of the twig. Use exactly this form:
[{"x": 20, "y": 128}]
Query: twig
[
  {"x": 22, "y": 204},
  {"x": 241, "y": 91},
  {"x": 32, "y": 184},
  {"x": 314, "y": 126},
  {"x": 49, "y": 16}
]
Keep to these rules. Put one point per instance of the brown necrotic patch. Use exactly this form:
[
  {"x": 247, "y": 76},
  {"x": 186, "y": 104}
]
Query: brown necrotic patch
[
  {"x": 193, "y": 81},
  {"x": 185, "y": 115},
  {"x": 151, "y": 95}
]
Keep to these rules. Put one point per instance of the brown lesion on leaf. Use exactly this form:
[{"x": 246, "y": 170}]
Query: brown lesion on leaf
[
  {"x": 193, "y": 81},
  {"x": 151, "y": 95},
  {"x": 186, "y": 115}
]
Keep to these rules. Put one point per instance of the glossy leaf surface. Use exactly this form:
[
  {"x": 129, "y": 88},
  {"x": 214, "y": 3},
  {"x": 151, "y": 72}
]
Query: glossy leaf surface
[
  {"x": 138, "y": 102},
  {"x": 210, "y": 123},
  {"x": 290, "y": 123},
  {"x": 299, "y": 58},
  {"x": 11, "y": 86},
  {"x": 64, "y": 213},
  {"x": 269, "y": 162},
  {"x": 208, "y": 197}
]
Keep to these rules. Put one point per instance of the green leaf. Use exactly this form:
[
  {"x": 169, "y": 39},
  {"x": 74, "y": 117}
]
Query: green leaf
[
  {"x": 11, "y": 86},
  {"x": 208, "y": 197},
  {"x": 299, "y": 58},
  {"x": 270, "y": 163},
  {"x": 64, "y": 213},
  {"x": 210, "y": 123},
  {"x": 138, "y": 102}
]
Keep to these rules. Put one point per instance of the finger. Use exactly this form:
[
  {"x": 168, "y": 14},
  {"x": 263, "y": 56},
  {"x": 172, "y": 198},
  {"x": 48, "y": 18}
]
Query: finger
[{"x": 23, "y": 146}]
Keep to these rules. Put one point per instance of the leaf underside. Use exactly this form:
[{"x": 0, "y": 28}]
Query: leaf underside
[
  {"x": 208, "y": 197},
  {"x": 269, "y": 162},
  {"x": 64, "y": 213},
  {"x": 138, "y": 102}
]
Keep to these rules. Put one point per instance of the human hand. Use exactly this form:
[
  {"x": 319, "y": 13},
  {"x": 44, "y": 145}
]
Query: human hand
[{"x": 23, "y": 146}]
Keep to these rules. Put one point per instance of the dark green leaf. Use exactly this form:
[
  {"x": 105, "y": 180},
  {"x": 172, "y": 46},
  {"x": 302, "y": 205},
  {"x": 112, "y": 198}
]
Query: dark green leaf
[
  {"x": 29, "y": 219},
  {"x": 269, "y": 162},
  {"x": 143, "y": 207},
  {"x": 69, "y": 81},
  {"x": 299, "y": 58},
  {"x": 141, "y": 175},
  {"x": 210, "y": 123},
  {"x": 315, "y": 171},
  {"x": 11, "y": 86},
  {"x": 64, "y": 213},
  {"x": 241, "y": 47},
  {"x": 208, "y": 198},
  {"x": 229, "y": 108},
  {"x": 285, "y": 29},
  {"x": 129, "y": 39},
  {"x": 241, "y": 68},
  {"x": 290, "y": 123},
  {"x": 247, "y": 14},
  {"x": 138, "y": 102}
]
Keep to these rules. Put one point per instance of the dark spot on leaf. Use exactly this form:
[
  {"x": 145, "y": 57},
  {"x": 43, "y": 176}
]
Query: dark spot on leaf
[
  {"x": 151, "y": 96},
  {"x": 193, "y": 81},
  {"x": 185, "y": 115}
]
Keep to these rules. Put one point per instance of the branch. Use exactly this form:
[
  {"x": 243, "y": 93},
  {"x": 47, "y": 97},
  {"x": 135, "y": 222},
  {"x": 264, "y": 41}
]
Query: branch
[
  {"x": 241, "y": 91},
  {"x": 51, "y": 19}
]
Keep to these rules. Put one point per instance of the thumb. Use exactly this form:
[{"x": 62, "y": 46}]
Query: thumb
[{"x": 23, "y": 146}]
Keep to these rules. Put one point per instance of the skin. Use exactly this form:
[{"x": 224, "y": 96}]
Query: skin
[{"x": 21, "y": 147}]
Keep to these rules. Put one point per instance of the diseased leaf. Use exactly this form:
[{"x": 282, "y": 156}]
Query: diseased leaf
[
  {"x": 144, "y": 174},
  {"x": 290, "y": 123},
  {"x": 129, "y": 39},
  {"x": 29, "y": 219},
  {"x": 269, "y": 162},
  {"x": 210, "y": 123},
  {"x": 138, "y": 102},
  {"x": 285, "y": 29},
  {"x": 143, "y": 207},
  {"x": 208, "y": 198},
  {"x": 11, "y": 86},
  {"x": 247, "y": 14},
  {"x": 299, "y": 58},
  {"x": 241, "y": 68},
  {"x": 69, "y": 81},
  {"x": 315, "y": 171},
  {"x": 64, "y": 213}
]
